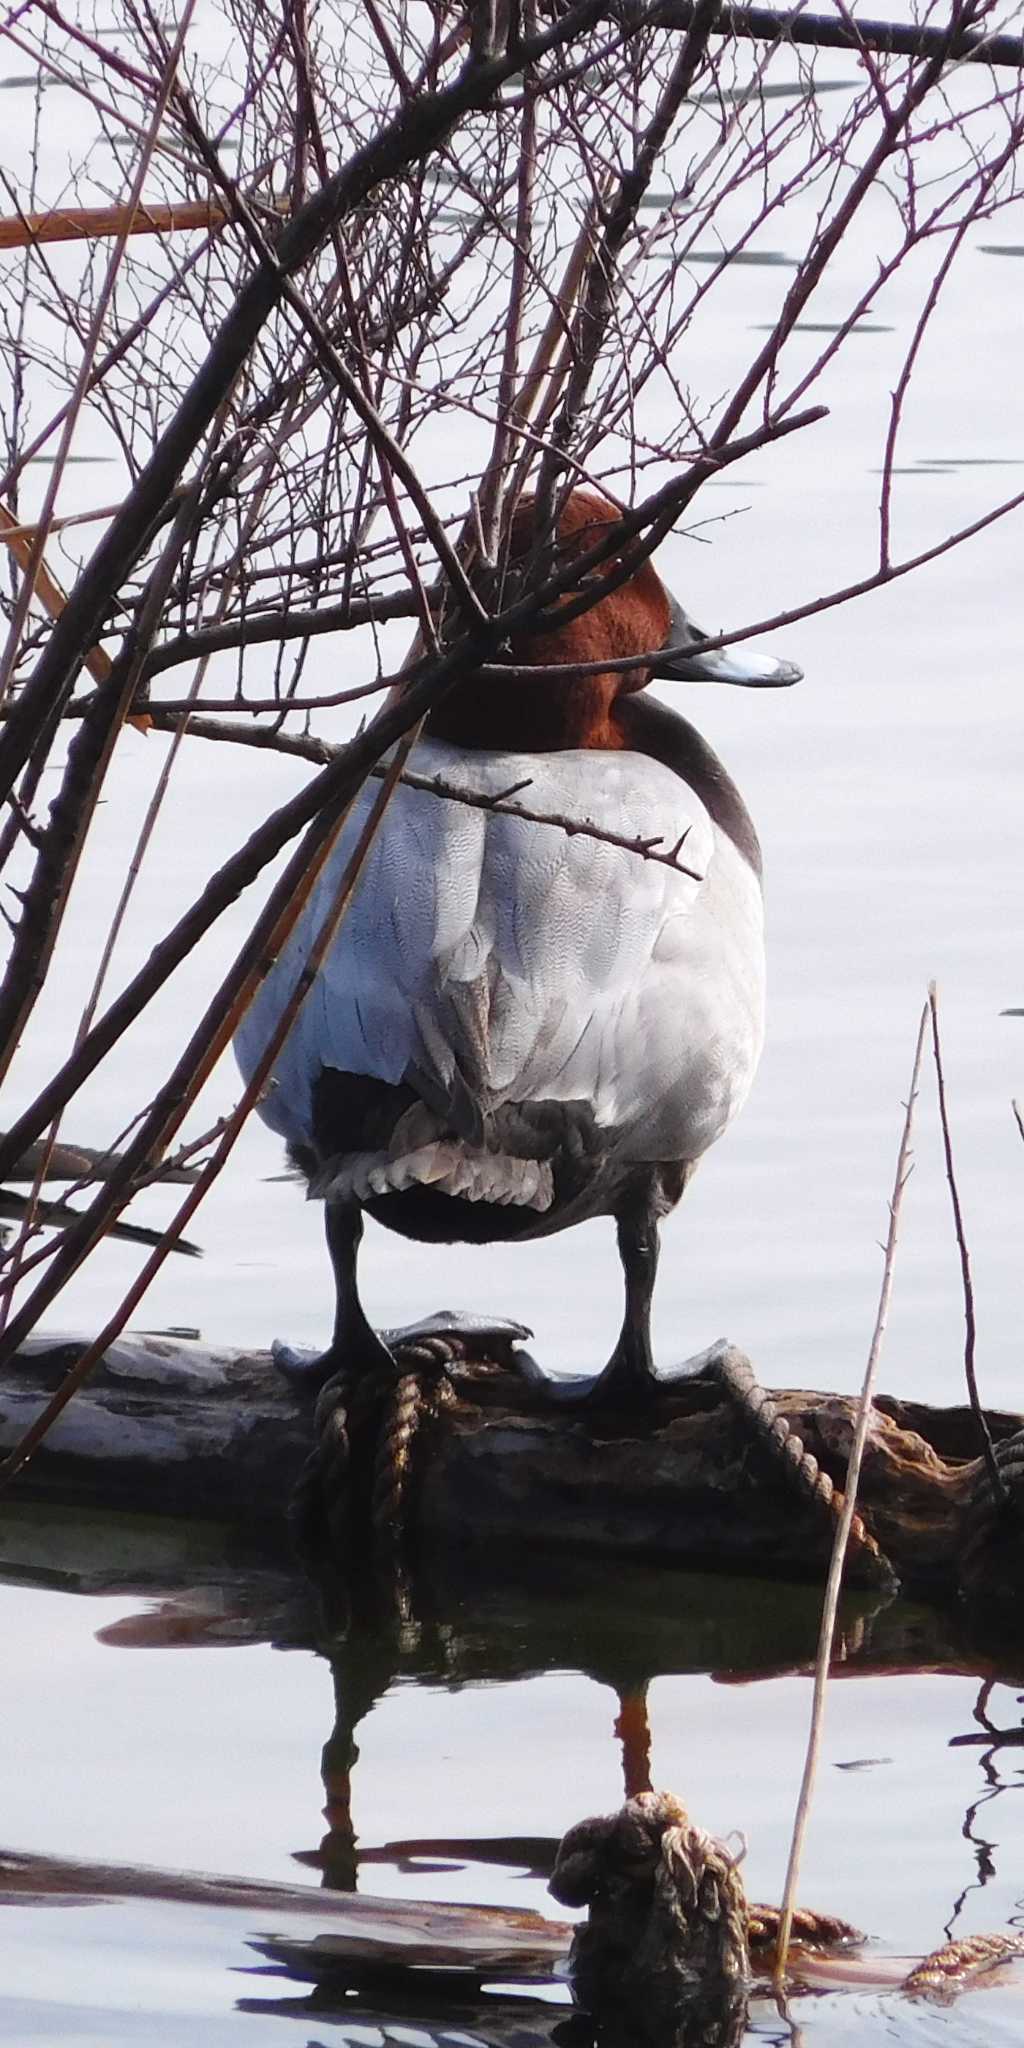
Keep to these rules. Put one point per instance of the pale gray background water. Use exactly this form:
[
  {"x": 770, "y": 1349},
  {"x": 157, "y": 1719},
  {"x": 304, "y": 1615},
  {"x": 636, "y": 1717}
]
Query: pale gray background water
[{"x": 886, "y": 788}]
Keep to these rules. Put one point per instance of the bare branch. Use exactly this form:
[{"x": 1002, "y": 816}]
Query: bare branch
[
  {"x": 824, "y": 32},
  {"x": 996, "y": 1480}
]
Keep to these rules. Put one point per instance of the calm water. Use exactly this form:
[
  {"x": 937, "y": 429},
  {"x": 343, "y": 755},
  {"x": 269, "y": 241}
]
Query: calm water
[
  {"x": 185, "y": 1730},
  {"x": 886, "y": 788}
]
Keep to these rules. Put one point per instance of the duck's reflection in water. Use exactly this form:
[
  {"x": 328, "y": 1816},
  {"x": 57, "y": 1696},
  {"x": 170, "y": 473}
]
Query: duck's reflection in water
[{"x": 623, "y": 1629}]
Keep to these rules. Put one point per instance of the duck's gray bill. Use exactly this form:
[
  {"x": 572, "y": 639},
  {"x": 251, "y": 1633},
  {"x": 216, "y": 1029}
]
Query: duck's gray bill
[{"x": 677, "y": 664}]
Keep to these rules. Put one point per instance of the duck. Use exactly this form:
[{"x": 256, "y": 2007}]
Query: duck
[{"x": 519, "y": 1027}]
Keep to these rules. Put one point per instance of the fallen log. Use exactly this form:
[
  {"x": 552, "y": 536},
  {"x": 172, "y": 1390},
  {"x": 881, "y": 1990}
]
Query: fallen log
[{"x": 170, "y": 1424}]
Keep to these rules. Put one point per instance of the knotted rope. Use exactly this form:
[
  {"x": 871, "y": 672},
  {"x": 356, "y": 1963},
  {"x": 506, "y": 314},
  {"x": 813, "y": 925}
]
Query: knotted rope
[
  {"x": 667, "y": 1915},
  {"x": 950, "y": 1969},
  {"x": 354, "y": 1491},
  {"x": 664, "y": 1954},
  {"x": 736, "y": 1377}
]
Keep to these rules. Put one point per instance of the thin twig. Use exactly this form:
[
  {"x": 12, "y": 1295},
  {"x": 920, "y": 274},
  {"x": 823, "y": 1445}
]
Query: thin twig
[
  {"x": 996, "y": 1479},
  {"x": 835, "y": 1570},
  {"x": 574, "y": 828}
]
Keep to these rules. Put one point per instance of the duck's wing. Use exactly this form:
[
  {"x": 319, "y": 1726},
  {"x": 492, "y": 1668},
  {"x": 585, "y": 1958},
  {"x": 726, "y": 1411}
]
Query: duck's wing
[{"x": 489, "y": 961}]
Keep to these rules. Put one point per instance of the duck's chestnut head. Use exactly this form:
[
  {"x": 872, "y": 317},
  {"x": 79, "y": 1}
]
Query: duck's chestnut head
[{"x": 543, "y": 711}]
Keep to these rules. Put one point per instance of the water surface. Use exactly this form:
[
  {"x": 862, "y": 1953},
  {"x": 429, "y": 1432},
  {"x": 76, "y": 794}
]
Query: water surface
[{"x": 887, "y": 791}]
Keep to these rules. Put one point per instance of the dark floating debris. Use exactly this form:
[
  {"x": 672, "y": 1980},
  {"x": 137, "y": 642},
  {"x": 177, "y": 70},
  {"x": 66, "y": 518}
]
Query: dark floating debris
[
  {"x": 826, "y": 327},
  {"x": 1001, "y": 248},
  {"x": 756, "y": 258},
  {"x": 666, "y": 1933},
  {"x": 47, "y": 461},
  {"x": 976, "y": 461},
  {"x": 797, "y": 89}
]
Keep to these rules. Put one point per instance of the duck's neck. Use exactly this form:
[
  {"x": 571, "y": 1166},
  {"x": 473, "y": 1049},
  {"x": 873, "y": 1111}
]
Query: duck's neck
[
  {"x": 527, "y": 717},
  {"x": 650, "y": 727}
]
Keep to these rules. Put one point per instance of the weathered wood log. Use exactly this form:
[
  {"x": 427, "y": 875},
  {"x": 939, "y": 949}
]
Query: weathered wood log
[{"x": 174, "y": 1425}]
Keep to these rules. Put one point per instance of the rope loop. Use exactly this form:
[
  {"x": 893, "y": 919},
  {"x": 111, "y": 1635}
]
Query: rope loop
[
  {"x": 737, "y": 1378},
  {"x": 355, "y": 1490},
  {"x": 950, "y": 1969}
]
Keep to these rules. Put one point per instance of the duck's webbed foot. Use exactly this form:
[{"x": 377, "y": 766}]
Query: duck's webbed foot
[
  {"x": 620, "y": 1387},
  {"x": 626, "y": 1384},
  {"x": 447, "y": 1337},
  {"x": 629, "y": 1383},
  {"x": 308, "y": 1371}
]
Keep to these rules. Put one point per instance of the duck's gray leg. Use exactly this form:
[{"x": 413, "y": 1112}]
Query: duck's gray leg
[
  {"x": 629, "y": 1375},
  {"x": 357, "y": 1346},
  {"x": 629, "y": 1379},
  {"x": 354, "y": 1344}
]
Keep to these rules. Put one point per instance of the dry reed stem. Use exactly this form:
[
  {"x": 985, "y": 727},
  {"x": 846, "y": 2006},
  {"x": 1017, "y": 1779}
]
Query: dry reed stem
[
  {"x": 51, "y": 596},
  {"x": 92, "y": 223},
  {"x": 835, "y": 1573}
]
